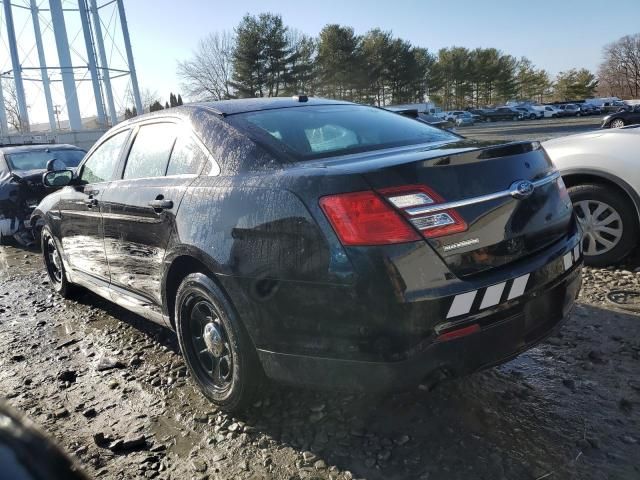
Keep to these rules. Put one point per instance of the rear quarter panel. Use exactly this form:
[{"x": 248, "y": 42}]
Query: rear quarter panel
[{"x": 614, "y": 153}]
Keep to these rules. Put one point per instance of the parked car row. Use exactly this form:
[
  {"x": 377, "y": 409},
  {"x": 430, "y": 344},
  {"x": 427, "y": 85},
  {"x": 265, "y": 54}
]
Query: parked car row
[{"x": 520, "y": 112}]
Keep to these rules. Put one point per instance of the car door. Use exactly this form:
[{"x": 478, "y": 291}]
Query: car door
[
  {"x": 139, "y": 209},
  {"x": 81, "y": 227}
]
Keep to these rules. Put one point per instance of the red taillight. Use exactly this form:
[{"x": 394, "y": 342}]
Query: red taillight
[
  {"x": 436, "y": 223},
  {"x": 363, "y": 218}
]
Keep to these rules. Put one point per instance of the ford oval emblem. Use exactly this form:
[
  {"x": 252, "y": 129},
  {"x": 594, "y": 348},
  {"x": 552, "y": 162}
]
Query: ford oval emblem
[{"x": 521, "y": 189}]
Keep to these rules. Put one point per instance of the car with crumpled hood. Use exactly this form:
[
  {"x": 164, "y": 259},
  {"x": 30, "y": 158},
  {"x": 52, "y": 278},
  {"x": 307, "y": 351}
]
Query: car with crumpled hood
[{"x": 21, "y": 188}]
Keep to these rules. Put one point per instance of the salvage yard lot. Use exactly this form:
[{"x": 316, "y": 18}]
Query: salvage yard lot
[
  {"x": 112, "y": 390},
  {"x": 531, "y": 129}
]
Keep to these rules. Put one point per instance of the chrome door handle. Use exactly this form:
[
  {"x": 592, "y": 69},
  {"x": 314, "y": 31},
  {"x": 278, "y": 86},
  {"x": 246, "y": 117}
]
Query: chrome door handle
[{"x": 161, "y": 204}]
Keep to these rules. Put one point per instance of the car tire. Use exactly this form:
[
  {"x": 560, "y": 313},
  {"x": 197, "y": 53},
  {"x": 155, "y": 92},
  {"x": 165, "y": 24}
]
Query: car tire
[
  {"x": 54, "y": 265},
  {"x": 215, "y": 344},
  {"x": 617, "y": 123},
  {"x": 621, "y": 231}
]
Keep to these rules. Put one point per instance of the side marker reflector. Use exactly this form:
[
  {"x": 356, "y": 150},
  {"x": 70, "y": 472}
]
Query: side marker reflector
[{"x": 460, "y": 332}]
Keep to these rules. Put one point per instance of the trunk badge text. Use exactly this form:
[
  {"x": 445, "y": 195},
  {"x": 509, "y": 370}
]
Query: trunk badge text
[
  {"x": 521, "y": 189},
  {"x": 464, "y": 243}
]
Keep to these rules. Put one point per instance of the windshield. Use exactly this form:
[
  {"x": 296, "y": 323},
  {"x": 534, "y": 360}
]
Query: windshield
[
  {"x": 321, "y": 131},
  {"x": 37, "y": 159}
]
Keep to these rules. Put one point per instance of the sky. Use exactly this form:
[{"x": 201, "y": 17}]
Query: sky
[{"x": 555, "y": 34}]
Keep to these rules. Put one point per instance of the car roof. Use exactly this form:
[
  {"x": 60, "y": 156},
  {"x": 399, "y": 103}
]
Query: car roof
[
  {"x": 37, "y": 147},
  {"x": 231, "y": 107}
]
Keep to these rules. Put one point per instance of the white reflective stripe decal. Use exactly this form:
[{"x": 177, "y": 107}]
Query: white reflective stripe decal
[
  {"x": 519, "y": 284},
  {"x": 462, "y": 304},
  {"x": 492, "y": 295},
  {"x": 568, "y": 261},
  {"x": 576, "y": 253}
]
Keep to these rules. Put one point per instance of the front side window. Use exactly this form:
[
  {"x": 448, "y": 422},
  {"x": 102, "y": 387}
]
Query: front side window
[
  {"x": 150, "y": 152},
  {"x": 319, "y": 131},
  {"x": 104, "y": 159}
]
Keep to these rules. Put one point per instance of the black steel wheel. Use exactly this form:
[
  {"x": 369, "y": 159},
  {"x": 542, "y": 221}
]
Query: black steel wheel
[
  {"x": 54, "y": 265},
  {"x": 215, "y": 345}
]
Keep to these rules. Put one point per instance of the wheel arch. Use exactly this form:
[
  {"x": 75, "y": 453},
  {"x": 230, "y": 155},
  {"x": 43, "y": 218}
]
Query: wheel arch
[
  {"x": 189, "y": 259},
  {"x": 581, "y": 176},
  {"x": 178, "y": 267}
]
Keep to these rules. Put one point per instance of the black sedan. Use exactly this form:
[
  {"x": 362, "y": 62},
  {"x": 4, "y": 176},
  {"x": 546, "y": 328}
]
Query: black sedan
[
  {"x": 318, "y": 243},
  {"x": 623, "y": 118}
]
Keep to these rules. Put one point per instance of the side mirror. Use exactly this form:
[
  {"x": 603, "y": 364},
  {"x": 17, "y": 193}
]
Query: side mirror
[{"x": 57, "y": 178}]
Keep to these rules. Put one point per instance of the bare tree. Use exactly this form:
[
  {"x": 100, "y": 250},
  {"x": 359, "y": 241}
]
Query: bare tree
[
  {"x": 207, "y": 75},
  {"x": 619, "y": 73},
  {"x": 147, "y": 97},
  {"x": 14, "y": 119}
]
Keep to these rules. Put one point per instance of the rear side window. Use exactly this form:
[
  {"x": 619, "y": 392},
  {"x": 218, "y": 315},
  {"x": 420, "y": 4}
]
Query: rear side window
[
  {"x": 100, "y": 166},
  {"x": 150, "y": 151},
  {"x": 187, "y": 157}
]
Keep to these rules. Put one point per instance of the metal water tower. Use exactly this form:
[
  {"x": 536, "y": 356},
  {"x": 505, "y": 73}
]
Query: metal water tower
[{"x": 92, "y": 61}]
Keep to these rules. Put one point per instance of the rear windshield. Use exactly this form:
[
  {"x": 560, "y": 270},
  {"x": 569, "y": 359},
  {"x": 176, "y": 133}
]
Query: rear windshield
[
  {"x": 38, "y": 159},
  {"x": 311, "y": 132}
]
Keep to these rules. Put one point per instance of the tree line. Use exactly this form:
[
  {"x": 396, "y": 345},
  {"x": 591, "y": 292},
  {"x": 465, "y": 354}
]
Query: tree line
[
  {"x": 152, "y": 104},
  {"x": 263, "y": 57}
]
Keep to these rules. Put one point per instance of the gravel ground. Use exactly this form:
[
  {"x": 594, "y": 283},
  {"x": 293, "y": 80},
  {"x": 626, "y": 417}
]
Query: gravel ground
[{"x": 113, "y": 391}]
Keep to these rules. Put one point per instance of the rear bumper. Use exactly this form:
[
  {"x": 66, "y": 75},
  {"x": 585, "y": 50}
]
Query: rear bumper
[{"x": 504, "y": 334}]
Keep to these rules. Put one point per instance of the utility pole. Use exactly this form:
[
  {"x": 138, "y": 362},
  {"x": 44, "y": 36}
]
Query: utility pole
[{"x": 56, "y": 109}]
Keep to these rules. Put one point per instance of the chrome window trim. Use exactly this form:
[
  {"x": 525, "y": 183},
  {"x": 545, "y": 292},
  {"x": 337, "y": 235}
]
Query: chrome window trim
[{"x": 483, "y": 198}]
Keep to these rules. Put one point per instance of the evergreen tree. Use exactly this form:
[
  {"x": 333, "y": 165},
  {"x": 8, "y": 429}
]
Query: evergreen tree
[
  {"x": 173, "y": 101},
  {"x": 260, "y": 56},
  {"x": 300, "y": 69},
  {"x": 179, "y": 101},
  {"x": 575, "y": 85},
  {"x": 338, "y": 61},
  {"x": 155, "y": 106},
  {"x": 377, "y": 58},
  {"x": 166, "y": 105},
  {"x": 128, "y": 113}
]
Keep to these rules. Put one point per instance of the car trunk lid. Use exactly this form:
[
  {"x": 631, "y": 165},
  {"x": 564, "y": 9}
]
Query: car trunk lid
[{"x": 503, "y": 203}]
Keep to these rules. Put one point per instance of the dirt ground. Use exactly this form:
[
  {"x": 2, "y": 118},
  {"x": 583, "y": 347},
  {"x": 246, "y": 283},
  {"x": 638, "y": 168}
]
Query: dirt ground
[{"x": 113, "y": 391}]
